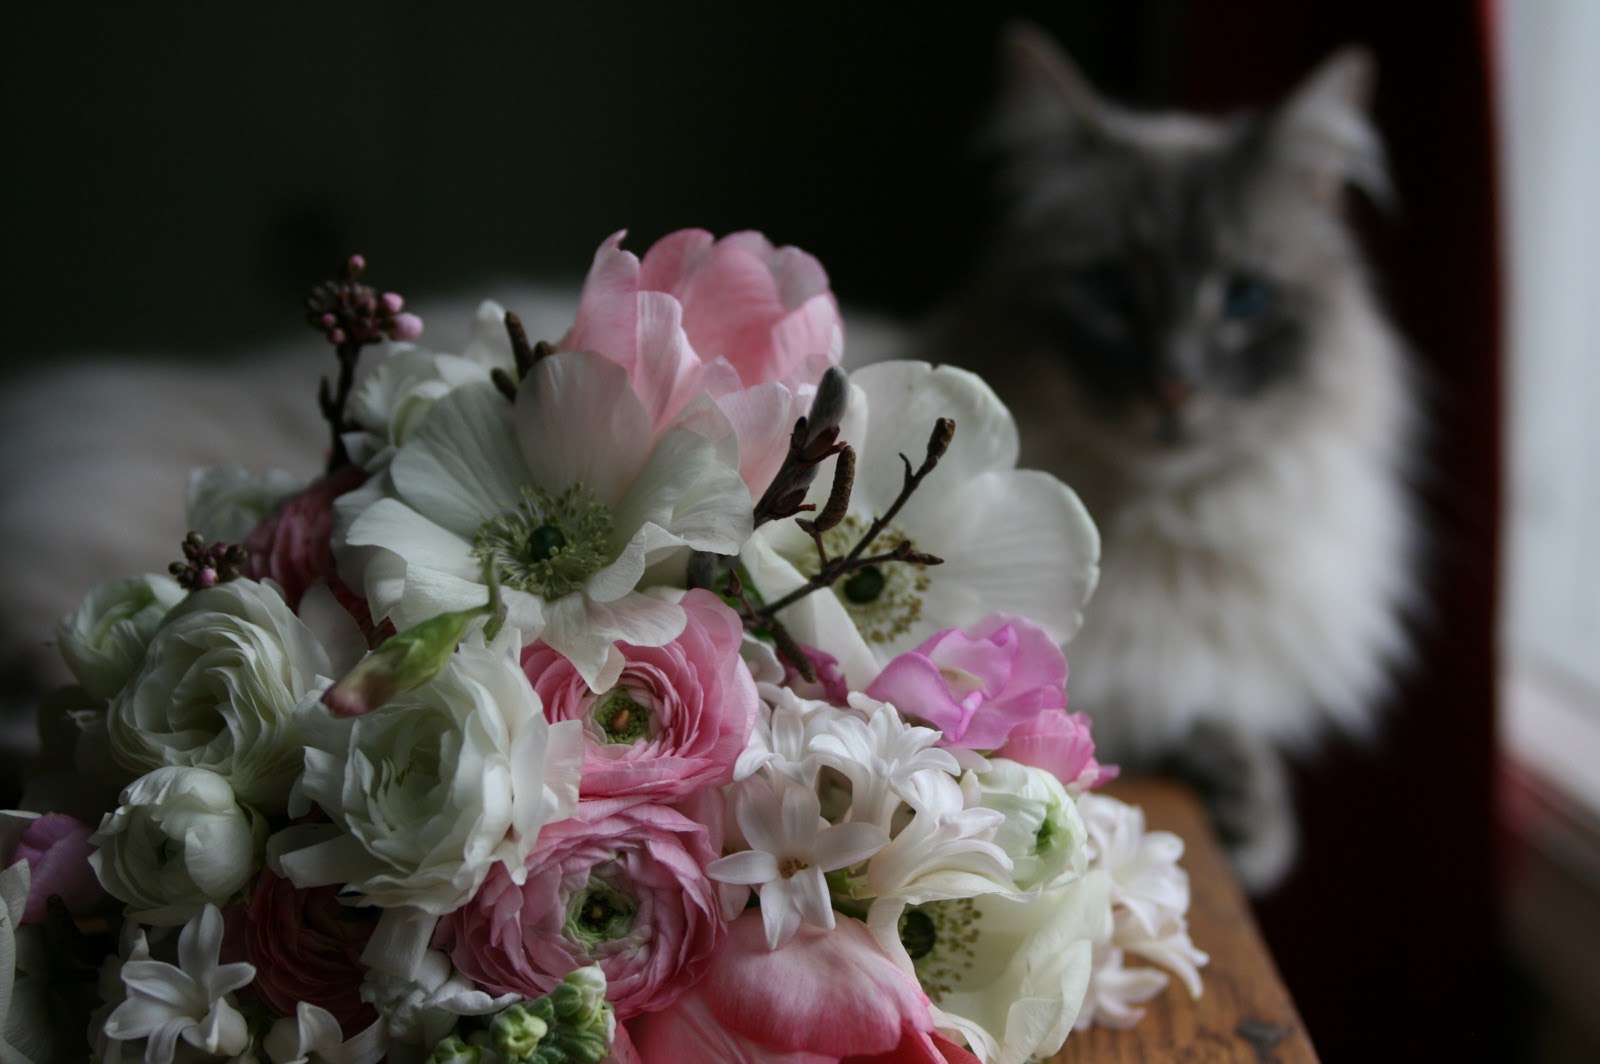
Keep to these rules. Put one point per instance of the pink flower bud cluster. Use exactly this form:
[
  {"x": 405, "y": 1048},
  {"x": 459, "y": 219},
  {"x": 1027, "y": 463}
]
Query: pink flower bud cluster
[{"x": 347, "y": 312}]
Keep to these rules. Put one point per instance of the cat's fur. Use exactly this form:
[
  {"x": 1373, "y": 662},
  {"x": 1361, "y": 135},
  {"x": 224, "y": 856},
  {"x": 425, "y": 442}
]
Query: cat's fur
[{"x": 1180, "y": 317}]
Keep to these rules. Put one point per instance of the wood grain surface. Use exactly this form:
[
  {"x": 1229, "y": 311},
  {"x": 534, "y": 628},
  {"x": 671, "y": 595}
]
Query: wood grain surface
[{"x": 1245, "y": 1014}]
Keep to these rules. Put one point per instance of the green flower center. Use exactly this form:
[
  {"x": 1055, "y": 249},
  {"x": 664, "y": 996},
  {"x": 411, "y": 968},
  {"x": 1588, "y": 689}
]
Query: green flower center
[
  {"x": 598, "y": 913},
  {"x": 619, "y": 718},
  {"x": 941, "y": 938},
  {"x": 885, "y": 601},
  {"x": 548, "y": 544}
]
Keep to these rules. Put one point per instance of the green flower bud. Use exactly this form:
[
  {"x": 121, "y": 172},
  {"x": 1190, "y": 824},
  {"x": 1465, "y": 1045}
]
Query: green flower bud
[
  {"x": 518, "y": 1031},
  {"x": 455, "y": 1051},
  {"x": 570, "y": 1025}
]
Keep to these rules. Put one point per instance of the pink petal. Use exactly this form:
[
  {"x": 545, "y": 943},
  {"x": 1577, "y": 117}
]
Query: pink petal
[
  {"x": 607, "y": 312},
  {"x": 671, "y": 260}
]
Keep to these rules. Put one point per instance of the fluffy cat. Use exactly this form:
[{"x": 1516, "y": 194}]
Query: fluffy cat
[{"x": 1180, "y": 317}]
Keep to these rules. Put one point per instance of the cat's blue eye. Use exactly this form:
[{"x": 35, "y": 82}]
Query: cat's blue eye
[{"x": 1247, "y": 297}]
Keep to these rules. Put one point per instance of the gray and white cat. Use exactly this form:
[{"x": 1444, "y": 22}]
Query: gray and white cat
[{"x": 1179, "y": 315}]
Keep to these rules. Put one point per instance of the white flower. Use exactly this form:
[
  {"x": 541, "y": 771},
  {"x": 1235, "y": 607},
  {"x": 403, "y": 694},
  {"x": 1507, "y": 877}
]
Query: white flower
[
  {"x": 392, "y": 399},
  {"x": 432, "y": 789},
  {"x": 1116, "y": 992},
  {"x": 423, "y": 1007},
  {"x": 1013, "y": 541},
  {"x": 178, "y": 840},
  {"x": 791, "y": 847},
  {"x": 1150, "y": 904},
  {"x": 104, "y": 639},
  {"x": 785, "y": 727},
  {"x": 190, "y": 1001},
  {"x": 1007, "y": 975},
  {"x": 14, "y": 1021},
  {"x": 312, "y": 1036},
  {"x": 947, "y": 848},
  {"x": 218, "y": 690},
  {"x": 568, "y": 492},
  {"x": 1042, "y": 833},
  {"x": 227, "y": 502},
  {"x": 879, "y": 755}
]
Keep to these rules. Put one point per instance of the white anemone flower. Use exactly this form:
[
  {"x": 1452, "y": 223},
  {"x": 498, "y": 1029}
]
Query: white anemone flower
[
  {"x": 191, "y": 1000},
  {"x": 1012, "y": 540},
  {"x": 567, "y": 491},
  {"x": 1006, "y": 975},
  {"x": 791, "y": 849}
]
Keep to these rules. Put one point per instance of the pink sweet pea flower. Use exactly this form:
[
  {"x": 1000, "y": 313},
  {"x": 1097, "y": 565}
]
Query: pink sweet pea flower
[
  {"x": 676, "y": 719},
  {"x": 306, "y": 946},
  {"x": 292, "y": 546},
  {"x": 622, "y": 886},
  {"x": 56, "y": 847},
  {"x": 825, "y": 996},
  {"x": 978, "y": 684},
  {"x": 1059, "y": 743}
]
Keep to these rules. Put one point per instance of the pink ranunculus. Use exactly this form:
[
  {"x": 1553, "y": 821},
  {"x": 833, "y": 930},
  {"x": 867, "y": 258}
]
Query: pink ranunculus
[
  {"x": 618, "y": 885},
  {"x": 824, "y": 997},
  {"x": 306, "y": 946},
  {"x": 292, "y": 546},
  {"x": 56, "y": 847},
  {"x": 976, "y": 685},
  {"x": 1059, "y": 743},
  {"x": 677, "y": 717}
]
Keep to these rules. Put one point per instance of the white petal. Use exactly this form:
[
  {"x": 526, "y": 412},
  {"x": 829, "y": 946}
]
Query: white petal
[
  {"x": 1014, "y": 542},
  {"x": 751, "y": 867},
  {"x": 905, "y": 399},
  {"x": 579, "y": 422},
  {"x": 396, "y": 527},
  {"x": 585, "y": 632},
  {"x": 461, "y": 466}
]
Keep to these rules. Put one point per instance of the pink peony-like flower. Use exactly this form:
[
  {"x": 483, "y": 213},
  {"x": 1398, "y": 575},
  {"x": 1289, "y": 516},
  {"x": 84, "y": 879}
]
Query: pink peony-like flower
[
  {"x": 621, "y": 886},
  {"x": 976, "y": 685},
  {"x": 306, "y": 946},
  {"x": 56, "y": 847},
  {"x": 292, "y": 546},
  {"x": 824, "y": 996},
  {"x": 1059, "y": 743},
  {"x": 677, "y": 717}
]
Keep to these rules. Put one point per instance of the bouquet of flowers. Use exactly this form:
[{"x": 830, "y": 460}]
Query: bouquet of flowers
[{"x": 657, "y": 694}]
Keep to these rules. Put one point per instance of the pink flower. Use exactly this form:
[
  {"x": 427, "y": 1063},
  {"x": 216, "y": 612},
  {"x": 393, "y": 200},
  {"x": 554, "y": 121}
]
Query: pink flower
[
  {"x": 830, "y": 685},
  {"x": 620, "y": 886},
  {"x": 976, "y": 685},
  {"x": 825, "y": 996},
  {"x": 765, "y": 311},
  {"x": 306, "y": 946},
  {"x": 1059, "y": 743},
  {"x": 56, "y": 847},
  {"x": 292, "y": 545},
  {"x": 677, "y": 718}
]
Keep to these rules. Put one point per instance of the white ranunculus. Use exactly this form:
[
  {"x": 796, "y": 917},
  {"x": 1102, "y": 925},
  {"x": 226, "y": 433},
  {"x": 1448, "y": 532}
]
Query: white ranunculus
[
  {"x": 1006, "y": 975},
  {"x": 218, "y": 690},
  {"x": 227, "y": 502},
  {"x": 568, "y": 491},
  {"x": 104, "y": 639},
  {"x": 177, "y": 841},
  {"x": 431, "y": 790},
  {"x": 1013, "y": 540},
  {"x": 1042, "y": 834}
]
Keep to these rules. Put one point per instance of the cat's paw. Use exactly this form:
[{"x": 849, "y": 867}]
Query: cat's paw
[{"x": 1244, "y": 784}]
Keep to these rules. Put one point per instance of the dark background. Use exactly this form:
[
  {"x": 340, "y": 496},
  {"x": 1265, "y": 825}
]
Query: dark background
[{"x": 175, "y": 176}]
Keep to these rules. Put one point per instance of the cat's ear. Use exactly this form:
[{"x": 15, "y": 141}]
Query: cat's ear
[
  {"x": 1044, "y": 97},
  {"x": 1322, "y": 132}
]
